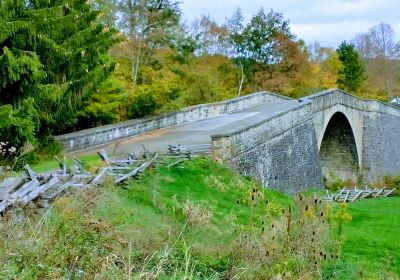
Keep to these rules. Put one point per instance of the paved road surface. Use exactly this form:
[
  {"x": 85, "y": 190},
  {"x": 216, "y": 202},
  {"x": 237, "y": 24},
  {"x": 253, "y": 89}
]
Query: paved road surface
[{"x": 197, "y": 132}]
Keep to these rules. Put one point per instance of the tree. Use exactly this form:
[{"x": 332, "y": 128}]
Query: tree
[
  {"x": 325, "y": 66},
  {"x": 269, "y": 53},
  {"x": 381, "y": 54},
  {"x": 213, "y": 38},
  {"x": 110, "y": 11},
  {"x": 291, "y": 74},
  {"x": 258, "y": 40},
  {"x": 53, "y": 54},
  {"x": 150, "y": 24},
  {"x": 352, "y": 75}
]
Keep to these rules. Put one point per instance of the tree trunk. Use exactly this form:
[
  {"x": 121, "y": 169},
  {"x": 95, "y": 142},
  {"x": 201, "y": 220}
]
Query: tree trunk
[{"x": 241, "y": 80}]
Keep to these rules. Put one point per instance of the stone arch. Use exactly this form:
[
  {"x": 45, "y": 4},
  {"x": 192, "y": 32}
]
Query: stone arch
[{"x": 338, "y": 151}]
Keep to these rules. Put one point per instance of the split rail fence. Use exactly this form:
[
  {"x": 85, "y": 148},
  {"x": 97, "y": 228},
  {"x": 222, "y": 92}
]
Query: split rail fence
[
  {"x": 47, "y": 186},
  {"x": 351, "y": 195}
]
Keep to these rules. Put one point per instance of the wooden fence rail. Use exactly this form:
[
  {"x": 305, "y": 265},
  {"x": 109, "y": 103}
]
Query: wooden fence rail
[
  {"x": 350, "y": 195},
  {"x": 47, "y": 186}
]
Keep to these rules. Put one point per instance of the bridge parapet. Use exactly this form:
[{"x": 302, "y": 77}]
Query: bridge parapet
[
  {"x": 93, "y": 137},
  {"x": 329, "y": 98}
]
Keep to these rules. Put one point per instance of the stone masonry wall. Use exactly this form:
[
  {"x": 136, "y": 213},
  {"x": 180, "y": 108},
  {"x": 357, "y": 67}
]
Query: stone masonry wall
[
  {"x": 381, "y": 145},
  {"x": 103, "y": 135},
  {"x": 280, "y": 152},
  {"x": 376, "y": 129}
]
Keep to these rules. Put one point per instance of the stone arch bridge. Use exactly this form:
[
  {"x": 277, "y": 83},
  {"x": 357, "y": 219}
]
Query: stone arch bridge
[{"x": 289, "y": 145}]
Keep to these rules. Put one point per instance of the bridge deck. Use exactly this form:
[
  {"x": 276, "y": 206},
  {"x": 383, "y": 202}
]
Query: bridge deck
[{"x": 199, "y": 132}]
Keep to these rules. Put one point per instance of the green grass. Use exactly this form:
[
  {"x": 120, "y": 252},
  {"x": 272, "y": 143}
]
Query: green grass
[
  {"x": 83, "y": 229},
  {"x": 90, "y": 160},
  {"x": 163, "y": 193},
  {"x": 102, "y": 232},
  {"x": 371, "y": 241}
]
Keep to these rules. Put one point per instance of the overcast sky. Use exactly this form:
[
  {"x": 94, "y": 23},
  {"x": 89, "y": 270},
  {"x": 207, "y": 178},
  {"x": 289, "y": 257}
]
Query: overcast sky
[{"x": 326, "y": 21}]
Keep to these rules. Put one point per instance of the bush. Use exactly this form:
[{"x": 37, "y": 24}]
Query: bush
[
  {"x": 105, "y": 106},
  {"x": 49, "y": 149},
  {"x": 15, "y": 159},
  {"x": 143, "y": 103}
]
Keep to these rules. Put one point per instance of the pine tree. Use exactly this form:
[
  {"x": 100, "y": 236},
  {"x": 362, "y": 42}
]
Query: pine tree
[
  {"x": 352, "y": 74},
  {"x": 53, "y": 54}
]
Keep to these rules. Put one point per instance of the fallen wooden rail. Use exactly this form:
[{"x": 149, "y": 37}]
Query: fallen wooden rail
[
  {"x": 350, "y": 195},
  {"x": 47, "y": 186}
]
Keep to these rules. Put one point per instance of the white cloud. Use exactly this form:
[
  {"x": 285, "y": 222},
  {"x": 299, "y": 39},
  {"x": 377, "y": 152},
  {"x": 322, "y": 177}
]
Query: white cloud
[
  {"x": 339, "y": 8},
  {"x": 330, "y": 33}
]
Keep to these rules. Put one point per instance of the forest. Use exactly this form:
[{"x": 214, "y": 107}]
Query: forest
[{"x": 72, "y": 65}]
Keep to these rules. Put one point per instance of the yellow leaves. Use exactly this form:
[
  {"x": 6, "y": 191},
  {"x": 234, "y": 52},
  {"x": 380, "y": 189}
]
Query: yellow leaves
[
  {"x": 338, "y": 216},
  {"x": 346, "y": 217},
  {"x": 343, "y": 206},
  {"x": 65, "y": 208},
  {"x": 343, "y": 214},
  {"x": 309, "y": 213},
  {"x": 325, "y": 70},
  {"x": 62, "y": 202},
  {"x": 273, "y": 208}
]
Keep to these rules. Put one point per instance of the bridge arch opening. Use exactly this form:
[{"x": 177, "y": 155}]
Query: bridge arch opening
[{"x": 338, "y": 151}]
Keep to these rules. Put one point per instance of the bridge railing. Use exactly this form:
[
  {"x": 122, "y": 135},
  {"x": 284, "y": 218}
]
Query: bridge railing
[
  {"x": 93, "y": 137},
  {"x": 327, "y": 98}
]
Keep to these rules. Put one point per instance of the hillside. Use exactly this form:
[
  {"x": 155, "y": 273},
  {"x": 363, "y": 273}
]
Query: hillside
[{"x": 194, "y": 221}]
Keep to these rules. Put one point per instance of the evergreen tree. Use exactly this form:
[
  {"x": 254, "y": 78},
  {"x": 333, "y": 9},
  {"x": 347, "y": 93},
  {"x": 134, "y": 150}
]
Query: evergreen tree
[
  {"x": 53, "y": 54},
  {"x": 352, "y": 74}
]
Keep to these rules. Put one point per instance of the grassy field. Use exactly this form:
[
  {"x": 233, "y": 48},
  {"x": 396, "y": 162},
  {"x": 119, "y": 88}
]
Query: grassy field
[
  {"x": 199, "y": 221},
  {"x": 371, "y": 241}
]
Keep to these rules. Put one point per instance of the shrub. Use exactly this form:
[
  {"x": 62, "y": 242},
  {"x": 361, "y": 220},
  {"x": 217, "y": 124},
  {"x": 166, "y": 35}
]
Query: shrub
[
  {"x": 143, "y": 103},
  {"x": 14, "y": 159},
  {"x": 338, "y": 216}
]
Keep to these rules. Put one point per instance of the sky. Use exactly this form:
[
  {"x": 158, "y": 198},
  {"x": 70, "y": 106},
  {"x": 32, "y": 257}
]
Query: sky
[{"x": 328, "y": 22}]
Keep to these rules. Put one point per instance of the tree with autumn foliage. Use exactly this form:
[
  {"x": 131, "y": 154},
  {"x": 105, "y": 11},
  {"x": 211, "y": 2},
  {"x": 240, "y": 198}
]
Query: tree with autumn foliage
[
  {"x": 272, "y": 58},
  {"x": 325, "y": 67},
  {"x": 380, "y": 54}
]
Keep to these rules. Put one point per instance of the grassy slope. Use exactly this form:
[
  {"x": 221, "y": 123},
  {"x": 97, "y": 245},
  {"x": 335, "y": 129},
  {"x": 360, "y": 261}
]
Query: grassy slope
[
  {"x": 372, "y": 239},
  {"x": 87, "y": 232},
  {"x": 150, "y": 213},
  {"x": 159, "y": 197}
]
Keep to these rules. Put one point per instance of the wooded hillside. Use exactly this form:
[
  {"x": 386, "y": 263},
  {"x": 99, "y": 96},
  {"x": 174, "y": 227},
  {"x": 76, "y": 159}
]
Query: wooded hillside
[{"x": 71, "y": 65}]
